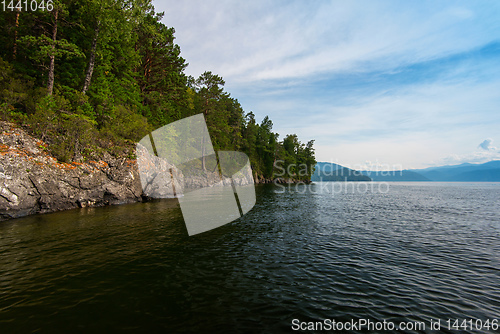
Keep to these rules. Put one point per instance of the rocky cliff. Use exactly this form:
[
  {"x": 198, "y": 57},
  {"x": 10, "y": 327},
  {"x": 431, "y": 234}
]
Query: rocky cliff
[{"x": 32, "y": 181}]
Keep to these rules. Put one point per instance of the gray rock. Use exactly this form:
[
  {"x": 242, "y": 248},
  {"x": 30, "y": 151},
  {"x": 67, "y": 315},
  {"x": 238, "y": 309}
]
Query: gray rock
[
  {"x": 31, "y": 181},
  {"x": 159, "y": 178}
]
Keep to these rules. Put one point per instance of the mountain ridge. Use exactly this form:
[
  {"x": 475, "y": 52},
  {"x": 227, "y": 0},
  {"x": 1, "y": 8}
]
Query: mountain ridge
[
  {"x": 465, "y": 172},
  {"x": 462, "y": 172},
  {"x": 332, "y": 172}
]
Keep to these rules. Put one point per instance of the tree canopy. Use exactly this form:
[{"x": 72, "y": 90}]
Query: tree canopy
[{"x": 95, "y": 76}]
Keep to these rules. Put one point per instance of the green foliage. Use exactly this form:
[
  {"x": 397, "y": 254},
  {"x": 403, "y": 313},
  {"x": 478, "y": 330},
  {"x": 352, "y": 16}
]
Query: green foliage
[
  {"x": 43, "y": 47},
  {"x": 128, "y": 124},
  {"x": 64, "y": 128},
  {"x": 13, "y": 92},
  {"x": 95, "y": 76}
]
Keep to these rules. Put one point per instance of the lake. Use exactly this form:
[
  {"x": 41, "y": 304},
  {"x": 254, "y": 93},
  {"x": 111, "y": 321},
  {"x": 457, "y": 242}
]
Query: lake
[{"x": 397, "y": 252}]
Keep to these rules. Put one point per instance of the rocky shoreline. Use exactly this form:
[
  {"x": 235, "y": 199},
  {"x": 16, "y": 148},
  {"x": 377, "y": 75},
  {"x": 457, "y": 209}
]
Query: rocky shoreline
[
  {"x": 279, "y": 180},
  {"x": 33, "y": 182}
]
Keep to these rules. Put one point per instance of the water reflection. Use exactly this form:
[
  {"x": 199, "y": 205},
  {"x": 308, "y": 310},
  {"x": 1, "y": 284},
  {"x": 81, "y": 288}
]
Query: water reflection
[{"x": 415, "y": 253}]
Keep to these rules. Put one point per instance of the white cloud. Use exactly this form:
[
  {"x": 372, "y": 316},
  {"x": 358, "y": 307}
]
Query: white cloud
[
  {"x": 486, "y": 145},
  {"x": 485, "y": 152},
  {"x": 417, "y": 127},
  {"x": 470, "y": 155},
  {"x": 257, "y": 40},
  {"x": 474, "y": 157},
  {"x": 288, "y": 60}
]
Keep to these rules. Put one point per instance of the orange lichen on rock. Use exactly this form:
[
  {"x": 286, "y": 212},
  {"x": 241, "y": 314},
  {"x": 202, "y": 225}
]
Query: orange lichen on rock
[
  {"x": 130, "y": 162},
  {"x": 53, "y": 185},
  {"x": 99, "y": 164},
  {"x": 4, "y": 150},
  {"x": 64, "y": 165}
]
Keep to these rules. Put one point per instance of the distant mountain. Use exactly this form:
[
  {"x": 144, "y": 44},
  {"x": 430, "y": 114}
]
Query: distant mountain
[
  {"x": 402, "y": 175},
  {"x": 487, "y": 172},
  {"x": 327, "y": 171},
  {"x": 466, "y": 164},
  {"x": 467, "y": 172},
  {"x": 488, "y": 175}
]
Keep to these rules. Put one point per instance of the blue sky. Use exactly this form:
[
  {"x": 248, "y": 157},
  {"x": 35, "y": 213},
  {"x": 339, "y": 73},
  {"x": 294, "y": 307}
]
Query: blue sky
[{"x": 391, "y": 84}]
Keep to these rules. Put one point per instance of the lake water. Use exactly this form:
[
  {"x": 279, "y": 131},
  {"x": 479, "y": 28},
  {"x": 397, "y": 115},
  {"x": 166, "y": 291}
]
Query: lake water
[{"x": 410, "y": 252}]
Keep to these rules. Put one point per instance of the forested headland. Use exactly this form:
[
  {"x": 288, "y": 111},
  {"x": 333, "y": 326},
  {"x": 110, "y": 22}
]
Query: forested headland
[{"x": 92, "y": 77}]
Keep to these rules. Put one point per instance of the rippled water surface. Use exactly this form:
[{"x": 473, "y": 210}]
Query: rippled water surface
[{"x": 416, "y": 252}]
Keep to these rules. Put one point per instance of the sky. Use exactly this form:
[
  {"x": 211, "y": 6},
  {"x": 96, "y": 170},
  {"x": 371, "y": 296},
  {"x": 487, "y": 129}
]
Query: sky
[{"x": 376, "y": 84}]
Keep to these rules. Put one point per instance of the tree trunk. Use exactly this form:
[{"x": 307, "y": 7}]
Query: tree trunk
[
  {"x": 147, "y": 73},
  {"x": 90, "y": 68},
  {"x": 14, "y": 49},
  {"x": 50, "y": 85},
  {"x": 203, "y": 153},
  {"x": 203, "y": 142}
]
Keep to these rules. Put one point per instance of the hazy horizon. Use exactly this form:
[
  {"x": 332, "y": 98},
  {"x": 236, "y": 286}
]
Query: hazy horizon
[
  {"x": 390, "y": 83},
  {"x": 371, "y": 167}
]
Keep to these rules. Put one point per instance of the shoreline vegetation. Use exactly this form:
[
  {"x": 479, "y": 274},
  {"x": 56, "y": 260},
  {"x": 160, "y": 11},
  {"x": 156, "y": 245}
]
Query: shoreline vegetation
[
  {"x": 85, "y": 81},
  {"x": 94, "y": 77},
  {"x": 33, "y": 181}
]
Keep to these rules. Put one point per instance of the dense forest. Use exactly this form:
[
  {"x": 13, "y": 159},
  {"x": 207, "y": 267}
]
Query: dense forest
[{"x": 92, "y": 77}]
